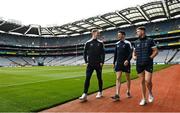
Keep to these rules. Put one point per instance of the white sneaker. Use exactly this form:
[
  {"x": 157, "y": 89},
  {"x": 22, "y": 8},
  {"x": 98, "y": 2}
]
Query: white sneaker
[
  {"x": 99, "y": 95},
  {"x": 150, "y": 98},
  {"x": 83, "y": 97},
  {"x": 142, "y": 102}
]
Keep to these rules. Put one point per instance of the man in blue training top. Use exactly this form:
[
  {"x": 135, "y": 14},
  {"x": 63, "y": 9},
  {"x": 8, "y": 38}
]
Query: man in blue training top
[{"x": 121, "y": 63}]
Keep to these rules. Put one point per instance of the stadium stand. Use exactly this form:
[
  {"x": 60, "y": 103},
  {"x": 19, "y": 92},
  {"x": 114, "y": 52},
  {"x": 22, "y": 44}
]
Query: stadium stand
[{"x": 22, "y": 45}]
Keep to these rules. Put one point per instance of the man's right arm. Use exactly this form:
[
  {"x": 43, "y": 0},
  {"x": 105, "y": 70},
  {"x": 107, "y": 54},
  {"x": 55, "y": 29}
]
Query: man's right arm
[
  {"x": 85, "y": 53},
  {"x": 154, "y": 49},
  {"x": 115, "y": 56},
  {"x": 134, "y": 52}
]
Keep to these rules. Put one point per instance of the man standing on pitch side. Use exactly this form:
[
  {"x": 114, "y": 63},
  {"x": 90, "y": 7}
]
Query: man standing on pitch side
[
  {"x": 121, "y": 63},
  {"x": 94, "y": 56},
  {"x": 145, "y": 50}
]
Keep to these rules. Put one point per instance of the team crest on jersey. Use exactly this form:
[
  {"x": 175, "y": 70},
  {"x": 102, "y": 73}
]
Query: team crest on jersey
[{"x": 91, "y": 44}]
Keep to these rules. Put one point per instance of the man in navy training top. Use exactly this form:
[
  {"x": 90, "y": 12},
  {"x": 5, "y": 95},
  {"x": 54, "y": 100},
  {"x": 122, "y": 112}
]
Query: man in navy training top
[
  {"x": 121, "y": 63},
  {"x": 145, "y": 50}
]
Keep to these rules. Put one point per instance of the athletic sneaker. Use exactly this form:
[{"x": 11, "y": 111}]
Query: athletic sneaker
[
  {"x": 116, "y": 97},
  {"x": 83, "y": 97},
  {"x": 128, "y": 94},
  {"x": 99, "y": 95},
  {"x": 150, "y": 98},
  {"x": 142, "y": 102}
]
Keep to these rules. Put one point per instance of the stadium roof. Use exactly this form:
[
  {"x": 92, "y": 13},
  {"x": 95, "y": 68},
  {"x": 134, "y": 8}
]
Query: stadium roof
[{"x": 165, "y": 9}]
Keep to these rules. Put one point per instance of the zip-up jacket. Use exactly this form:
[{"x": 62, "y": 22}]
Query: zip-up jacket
[{"x": 94, "y": 52}]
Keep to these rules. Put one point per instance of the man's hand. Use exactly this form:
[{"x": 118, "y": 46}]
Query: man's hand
[
  {"x": 126, "y": 63},
  {"x": 113, "y": 65},
  {"x": 101, "y": 64},
  {"x": 151, "y": 57},
  {"x": 134, "y": 56}
]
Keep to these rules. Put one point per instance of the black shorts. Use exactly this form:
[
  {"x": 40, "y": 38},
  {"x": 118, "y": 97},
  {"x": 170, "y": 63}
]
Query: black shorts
[
  {"x": 146, "y": 67},
  {"x": 121, "y": 67}
]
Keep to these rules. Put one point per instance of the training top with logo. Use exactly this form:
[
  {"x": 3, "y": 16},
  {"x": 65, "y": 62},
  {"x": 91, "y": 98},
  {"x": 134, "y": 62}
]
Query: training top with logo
[
  {"x": 123, "y": 51},
  {"x": 94, "y": 52}
]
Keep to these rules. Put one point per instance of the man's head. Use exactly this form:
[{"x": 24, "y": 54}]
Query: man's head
[
  {"x": 95, "y": 33},
  {"x": 141, "y": 31},
  {"x": 121, "y": 35}
]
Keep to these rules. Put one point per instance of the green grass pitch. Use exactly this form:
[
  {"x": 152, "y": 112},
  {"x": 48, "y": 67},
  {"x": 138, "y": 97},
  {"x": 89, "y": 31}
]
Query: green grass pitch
[{"x": 36, "y": 88}]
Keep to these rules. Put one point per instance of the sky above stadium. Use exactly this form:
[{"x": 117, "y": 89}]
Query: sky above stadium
[{"x": 59, "y": 12}]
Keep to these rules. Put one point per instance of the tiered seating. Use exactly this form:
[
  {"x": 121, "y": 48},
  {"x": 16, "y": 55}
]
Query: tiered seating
[
  {"x": 27, "y": 41},
  {"x": 163, "y": 57}
]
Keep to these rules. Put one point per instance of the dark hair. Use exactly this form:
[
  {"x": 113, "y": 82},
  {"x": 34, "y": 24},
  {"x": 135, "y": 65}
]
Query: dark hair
[
  {"x": 141, "y": 28},
  {"x": 122, "y": 32},
  {"x": 94, "y": 30}
]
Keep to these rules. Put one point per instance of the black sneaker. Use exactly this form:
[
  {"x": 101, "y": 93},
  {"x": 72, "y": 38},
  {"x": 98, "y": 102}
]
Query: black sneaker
[
  {"x": 128, "y": 94},
  {"x": 116, "y": 97}
]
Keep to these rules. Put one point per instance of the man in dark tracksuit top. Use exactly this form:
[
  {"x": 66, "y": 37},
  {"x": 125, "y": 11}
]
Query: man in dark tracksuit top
[
  {"x": 121, "y": 63},
  {"x": 145, "y": 50},
  {"x": 94, "y": 56}
]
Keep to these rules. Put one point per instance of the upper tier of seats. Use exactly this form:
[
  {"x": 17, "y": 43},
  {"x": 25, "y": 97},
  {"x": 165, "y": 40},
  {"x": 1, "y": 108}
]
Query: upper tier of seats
[{"x": 27, "y": 41}]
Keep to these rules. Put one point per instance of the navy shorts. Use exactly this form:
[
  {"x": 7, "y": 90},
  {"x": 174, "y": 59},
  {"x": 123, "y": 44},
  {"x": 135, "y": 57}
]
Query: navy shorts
[
  {"x": 144, "y": 67},
  {"x": 121, "y": 67}
]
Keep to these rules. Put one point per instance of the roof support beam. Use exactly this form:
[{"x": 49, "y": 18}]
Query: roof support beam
[
  {"x": 16, "y": 28},
  {"x": 107, "y": 21},
  {"x": 143, "y": 13},
  {"x": 39, "y": 30},
  {"x": 3, "y": 23},
  {"x": 166, "y": 9},
  {"x": 28, "y": 30},
  {"x": 48, "y": 30},
  {"x": 124, "y": 18}
]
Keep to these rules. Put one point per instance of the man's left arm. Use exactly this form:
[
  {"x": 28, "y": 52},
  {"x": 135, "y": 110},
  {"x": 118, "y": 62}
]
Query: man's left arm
[
  {"x": 154, "y": 49},
  {"x": 129, "y": 48},
  {"x": 154, "y": 53},
  {"x": 102, "y": 54},
  {"x": 130, "y": 52}
]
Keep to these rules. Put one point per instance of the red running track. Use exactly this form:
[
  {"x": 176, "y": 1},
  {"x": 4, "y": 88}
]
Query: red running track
[{"x": 166, "y": 90}]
